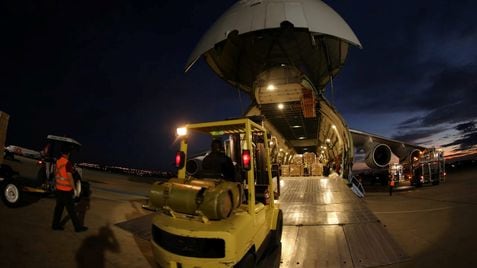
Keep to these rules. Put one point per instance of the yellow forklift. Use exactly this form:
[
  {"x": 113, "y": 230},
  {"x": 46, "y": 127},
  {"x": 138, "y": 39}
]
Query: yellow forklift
[{"x": 206, "y": 220}]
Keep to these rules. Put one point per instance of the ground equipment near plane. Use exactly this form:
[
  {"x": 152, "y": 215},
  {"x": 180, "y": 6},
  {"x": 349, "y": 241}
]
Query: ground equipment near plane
[
  {"x": 430, "y": 167},
  {"x": 396, "y": 173},
  {"x": 20, "y": 173},
  {"x": 207, "y": 221}
]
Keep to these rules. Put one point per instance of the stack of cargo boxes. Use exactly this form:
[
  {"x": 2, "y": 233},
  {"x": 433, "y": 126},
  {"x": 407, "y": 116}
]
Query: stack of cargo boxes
[
  {"x": 303, "y": 165},
  {"x": 308, "y": 161},
  {"x": 285, "y": 170},
  {"x": 317, "y": 169},
  {"x": 296, "y": 165}
]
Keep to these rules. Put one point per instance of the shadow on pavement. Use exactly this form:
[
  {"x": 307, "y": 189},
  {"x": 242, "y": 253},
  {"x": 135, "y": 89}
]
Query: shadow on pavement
[{"x": 92, "y": 251}]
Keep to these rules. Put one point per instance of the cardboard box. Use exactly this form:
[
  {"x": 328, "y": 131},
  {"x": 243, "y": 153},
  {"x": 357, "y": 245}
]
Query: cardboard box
[
  {"x": 297, "y": 159},
  {"x": 285, "y": 171},
  {"x": 296, "y": 170},
  {"x": 317, "y": 169},
  {"x": 309, "y": 159}
]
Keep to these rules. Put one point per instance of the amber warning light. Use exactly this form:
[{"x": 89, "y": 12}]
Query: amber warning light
[{"x": 246, "y": 159}]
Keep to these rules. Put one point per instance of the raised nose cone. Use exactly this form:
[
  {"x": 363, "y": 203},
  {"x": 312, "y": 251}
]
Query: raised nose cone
[{"x": 254, "y": 36}]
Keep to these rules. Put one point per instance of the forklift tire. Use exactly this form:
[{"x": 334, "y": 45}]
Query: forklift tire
[
  {"x": 12, "y": 195},
  {"x": 248, "y": 261}
]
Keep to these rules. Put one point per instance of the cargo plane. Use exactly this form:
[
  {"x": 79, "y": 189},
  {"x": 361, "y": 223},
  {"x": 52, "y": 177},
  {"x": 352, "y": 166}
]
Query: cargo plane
[{"x": 283, "y": 54}]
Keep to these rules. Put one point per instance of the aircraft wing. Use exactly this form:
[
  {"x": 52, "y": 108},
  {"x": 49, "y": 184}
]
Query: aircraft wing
[{"x": 378, "y": 149}]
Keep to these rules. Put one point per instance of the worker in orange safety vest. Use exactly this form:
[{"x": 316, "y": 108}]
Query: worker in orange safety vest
[
  {"x": 391, "y": 186},
  {"x": 65, "y": 192}
]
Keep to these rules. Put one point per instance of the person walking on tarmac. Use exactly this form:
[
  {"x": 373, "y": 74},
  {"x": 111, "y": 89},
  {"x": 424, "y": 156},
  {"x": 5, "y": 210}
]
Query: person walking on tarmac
[
  {"x": 65, "y": 192},
  {"x": 391, "y": 186}
]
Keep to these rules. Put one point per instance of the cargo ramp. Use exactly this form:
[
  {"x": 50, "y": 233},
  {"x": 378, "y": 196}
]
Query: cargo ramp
[{"x": 327, "y": 225}]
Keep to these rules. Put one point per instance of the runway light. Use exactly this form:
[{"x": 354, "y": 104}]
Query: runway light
[
  {"x": 281, "y": 106},
  {"x": 181, "y": 131}
]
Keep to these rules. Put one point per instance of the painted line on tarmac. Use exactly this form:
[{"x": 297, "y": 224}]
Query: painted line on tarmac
[{"x": 413, "y": 211}]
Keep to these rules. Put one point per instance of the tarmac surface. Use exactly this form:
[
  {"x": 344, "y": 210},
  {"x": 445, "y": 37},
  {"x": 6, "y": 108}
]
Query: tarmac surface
[{"x": 435, "y": 225}]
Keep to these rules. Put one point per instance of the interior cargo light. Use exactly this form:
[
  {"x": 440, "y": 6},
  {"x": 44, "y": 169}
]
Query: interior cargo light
[
  {"x": 246, "y": 159},
  {"x": 180, "y": 159},
  {"x": 271, "y": 87},
  {"x": 281, "y": 106},
  {"x": 181, "y": 131}
]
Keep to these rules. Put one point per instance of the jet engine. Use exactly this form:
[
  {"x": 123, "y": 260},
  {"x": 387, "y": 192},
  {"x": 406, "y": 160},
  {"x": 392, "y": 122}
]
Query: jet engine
[
  {"x": 194, "y": 165},
  {"x": 378, "y": 155},
  {"x": 411, "y": 157}
]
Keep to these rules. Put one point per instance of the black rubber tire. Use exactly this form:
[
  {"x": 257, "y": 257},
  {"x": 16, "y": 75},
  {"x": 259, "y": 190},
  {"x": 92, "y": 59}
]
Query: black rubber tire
[
  {"x": 12, "y": 196},
  {"x": 248, "y": 261},
  {"x": 276, "y": 235}
]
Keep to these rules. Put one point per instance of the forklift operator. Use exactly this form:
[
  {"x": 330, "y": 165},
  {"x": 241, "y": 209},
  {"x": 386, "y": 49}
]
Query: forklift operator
[{"x": 217, "y": 164}]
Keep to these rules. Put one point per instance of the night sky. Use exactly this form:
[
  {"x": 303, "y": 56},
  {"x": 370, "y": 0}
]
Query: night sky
[{"x": 110, "y": 74}]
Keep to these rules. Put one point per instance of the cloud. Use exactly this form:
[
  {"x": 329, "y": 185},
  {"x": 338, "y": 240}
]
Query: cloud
[
  {"x": 421, "y": 62},
  {"x": 449, "y": 99},
  {"x": 468, "y": 138},
  {"x": 417, "y": 135}
]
